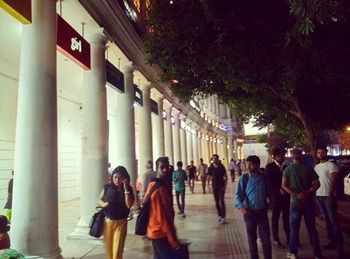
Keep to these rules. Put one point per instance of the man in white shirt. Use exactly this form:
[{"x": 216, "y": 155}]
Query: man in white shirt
[
  {"x": 232, "y": 167},
  {"x": 327, "y": 201}
]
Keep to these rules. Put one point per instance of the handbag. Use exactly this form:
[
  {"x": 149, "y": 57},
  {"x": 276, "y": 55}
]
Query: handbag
[
  {"x": 143, "y": 217},
  {"x": 96, "y": 223},
  {"x": 347, "y": 184}
]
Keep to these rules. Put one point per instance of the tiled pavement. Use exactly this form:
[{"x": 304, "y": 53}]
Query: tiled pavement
[{"x": 208, "y": 238}]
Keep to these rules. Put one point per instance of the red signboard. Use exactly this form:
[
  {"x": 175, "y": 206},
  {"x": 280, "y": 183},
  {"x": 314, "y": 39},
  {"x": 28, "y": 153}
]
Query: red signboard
[
  {"x": 72, "y": 44},
  {"x": 20, "y": 9}
]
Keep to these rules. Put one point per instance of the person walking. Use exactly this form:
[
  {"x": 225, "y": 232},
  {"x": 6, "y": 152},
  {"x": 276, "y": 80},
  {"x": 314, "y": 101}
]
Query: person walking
[
  {"x": 191, "y": 175},
  {"x": 203, "y": 171},
  {"x": 274, "y": 174},
  {"x": 301, "y": 182},
  {"x": 219, "y": 180},
  {"x": 327, "y": 200},
  {"x": 251, "y": 199},
  {"x": 146, "y": 178},
  {"x": 232, "y": 168},
  {"x": 116, "y": 199},
  {"x": 161, "y": 228},
  {"x": 179, "y": 178}
]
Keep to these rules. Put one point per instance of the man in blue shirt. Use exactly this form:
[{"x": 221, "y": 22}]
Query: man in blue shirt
[
  {"x": 251, "y": 200},
  {"x": 179, "y": 178}
]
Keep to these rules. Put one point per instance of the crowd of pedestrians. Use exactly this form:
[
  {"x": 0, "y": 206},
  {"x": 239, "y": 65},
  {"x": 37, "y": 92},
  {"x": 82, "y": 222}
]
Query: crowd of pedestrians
[{"x": 290, "y": 191}]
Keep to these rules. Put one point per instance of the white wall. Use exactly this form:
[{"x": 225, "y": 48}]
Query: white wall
[{"x": 257, "y": 149}]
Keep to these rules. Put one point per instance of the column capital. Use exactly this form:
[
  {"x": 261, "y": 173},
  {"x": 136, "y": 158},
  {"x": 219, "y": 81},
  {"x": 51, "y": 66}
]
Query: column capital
[
  {"x": 97, "y": 37},
  {"x": 145, "y": 85},
  {"x": 167, "y": 105},
  {"x": 127, "y": 67},
  {"x": 182, "y": 116}
]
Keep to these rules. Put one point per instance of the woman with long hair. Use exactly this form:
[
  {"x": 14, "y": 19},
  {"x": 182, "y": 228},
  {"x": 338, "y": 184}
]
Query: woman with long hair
[{"x": 116, "y": 198}]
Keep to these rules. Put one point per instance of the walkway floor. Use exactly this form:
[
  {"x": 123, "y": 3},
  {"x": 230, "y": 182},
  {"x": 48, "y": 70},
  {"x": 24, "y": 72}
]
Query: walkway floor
[{"x": 208, "y": 238}]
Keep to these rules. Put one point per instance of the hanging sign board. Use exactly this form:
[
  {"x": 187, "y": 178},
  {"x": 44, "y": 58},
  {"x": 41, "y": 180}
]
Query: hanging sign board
[
  {"x": 154, "y": 106},
  {"x": 20, "y": 9},
  {"x": 114, "y": 77},
  {"x": 138, "y": 95},
  {"x": 72, "y": 44}
]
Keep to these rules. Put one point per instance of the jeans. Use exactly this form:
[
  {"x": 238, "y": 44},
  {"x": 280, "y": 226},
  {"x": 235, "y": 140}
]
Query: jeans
[
  {"x": 328, "y": 208},
  {"x": 232, "y": 173},
  {"x": 191, "y": 184},
  {"x": 204, "y": 182},
  {"x": 282, "y": 206},
  {"x": 258, "y": 221},
  {"x": 219, "y": 196},
  {"x": 307, "y": 210},
  {"x": 180, "y": 205}
]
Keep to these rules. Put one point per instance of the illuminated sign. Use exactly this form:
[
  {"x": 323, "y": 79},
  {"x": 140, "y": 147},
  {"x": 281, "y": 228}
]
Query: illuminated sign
[
  {"x": 20, "y": 9},
  {"x": 72, "y": 44},
  {"x": 154, "y": 107},
  {"x": 138, "y": 95},
  {"x": 114, "y": 77}
]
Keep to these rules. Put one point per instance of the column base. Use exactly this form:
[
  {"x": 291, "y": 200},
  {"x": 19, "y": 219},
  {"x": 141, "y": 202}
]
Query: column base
[
  {"x": 82, "y": 233},
  {"x": 55, "y": 255}
]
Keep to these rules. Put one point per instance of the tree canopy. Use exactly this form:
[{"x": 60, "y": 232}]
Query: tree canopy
[{"x": 286, "y": 62}]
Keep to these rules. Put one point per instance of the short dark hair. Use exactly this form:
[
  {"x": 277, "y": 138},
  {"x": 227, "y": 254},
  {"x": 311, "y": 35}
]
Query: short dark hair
[
  {"x": 254, "y": 160},
  {"x": 277, "y": 151},
  {"x": 4, "y": 227},
  {"x": 179, "y": 164},
  {"x": 322, "y": 147},
  {"x": 215, "y": 155},
  {"x": 163, "y": 159},
  {"x": 201, "y": 159}
]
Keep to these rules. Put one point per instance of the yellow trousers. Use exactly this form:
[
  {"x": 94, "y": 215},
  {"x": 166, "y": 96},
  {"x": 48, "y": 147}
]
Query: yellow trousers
[{"x": 114, "y": 234}]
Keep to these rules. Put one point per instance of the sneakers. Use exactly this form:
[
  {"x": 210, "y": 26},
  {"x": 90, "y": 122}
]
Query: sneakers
[
  {"x": 291, "y": 256},
  {"x": 222, "y": 220}
]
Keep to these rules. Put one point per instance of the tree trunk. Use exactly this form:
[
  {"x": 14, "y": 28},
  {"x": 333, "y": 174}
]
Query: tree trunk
[{"x": 310, "y": 133}]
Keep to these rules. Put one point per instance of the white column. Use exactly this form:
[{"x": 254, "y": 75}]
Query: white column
[
  {"x": 222, "y": 111},
  {"x": 217, "y": 109},
  {"x": 200, "y": 150},
  {"x": 235, "y": 149},
  {"x": 95, "y": 141},
  {"x": 195, "y": 148},
  {"x": 168, "y": 135},
  {"x": 183, "y": 144},
  {"x": 189, "y": 145},
  {"x": 158, "y": 131},
  {"x": 225, "y": 153},
  {"x": 144, "y": 142},
  {"x": 228, "y": 113},
  {"x": 125, "y": 135},
  {"x": 230, "y": 149},
  {"x": 34, "y": 226},
  {"x": 176, "y": 138}
]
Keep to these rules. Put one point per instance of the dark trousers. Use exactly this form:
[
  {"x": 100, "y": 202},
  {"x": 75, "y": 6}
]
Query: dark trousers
[
  {"x": 161, "y": 248},
  {"x": 282, "y": 207},
  {"x": 328, "y": 208},
  {"x": 232, "y": 173},
  {"x": 191, "y": 184},
  {"x": 258, "y": 222},
  {"x": 219, "y": 196},
  {"x": 180, "y": 205},
  {"x": 204, "y": 182},
  {"x": 307, "y": 210}
]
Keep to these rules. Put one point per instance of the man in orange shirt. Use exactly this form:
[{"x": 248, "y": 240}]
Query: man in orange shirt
[{"x": 161, "y": 229}]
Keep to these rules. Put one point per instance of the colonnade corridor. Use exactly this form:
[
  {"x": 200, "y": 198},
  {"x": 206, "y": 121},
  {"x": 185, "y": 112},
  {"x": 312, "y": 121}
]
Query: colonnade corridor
[{"x": 209, "y": 239}]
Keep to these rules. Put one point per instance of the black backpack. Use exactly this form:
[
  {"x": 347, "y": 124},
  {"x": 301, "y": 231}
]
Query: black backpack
[{"x": 143, "y": 217}]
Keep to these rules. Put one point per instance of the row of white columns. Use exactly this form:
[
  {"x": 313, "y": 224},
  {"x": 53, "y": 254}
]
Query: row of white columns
[{"x": 34, "y": 228}]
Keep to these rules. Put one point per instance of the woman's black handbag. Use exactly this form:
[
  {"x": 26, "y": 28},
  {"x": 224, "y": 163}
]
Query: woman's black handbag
[{"x": 96, "y": 224}]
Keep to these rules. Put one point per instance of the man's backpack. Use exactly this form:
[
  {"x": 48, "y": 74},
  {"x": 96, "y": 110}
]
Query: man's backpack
[{"x": 143, "y": 217}]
